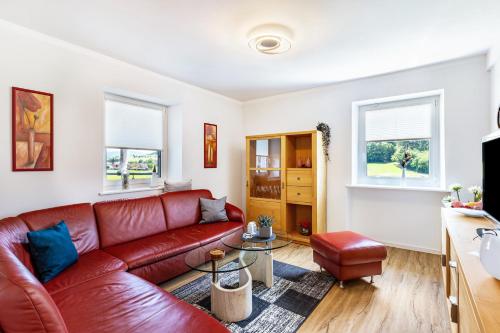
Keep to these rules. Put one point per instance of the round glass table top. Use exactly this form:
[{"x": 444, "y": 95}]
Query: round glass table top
[
  {"x": 255, "y": 243},
  {"x": 233, "y": 261}
]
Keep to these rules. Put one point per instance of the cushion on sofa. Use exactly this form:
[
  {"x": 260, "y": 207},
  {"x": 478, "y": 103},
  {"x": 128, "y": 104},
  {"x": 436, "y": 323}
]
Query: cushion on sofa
[
  {"x": 52, "y": 251},
  {"x": 79, "y": 218},
  {"x": 182, "y": 208},
  {"x": 122, "y": 302},
  {"x": 89, "y": 266},
  {"x": 213, "y": 210},
  {"x": 122, "y": 221},
  {"x": 13, "y": 237},
  {"x": 208, "y": 233},
  {"x": 25, "y": 305},
  {"x": 154, "y": 248}
]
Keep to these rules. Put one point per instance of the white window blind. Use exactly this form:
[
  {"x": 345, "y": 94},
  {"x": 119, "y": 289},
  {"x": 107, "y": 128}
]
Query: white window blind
[
  {"x": 133, "y": 124},
  {"x": 399, "y": 123}
]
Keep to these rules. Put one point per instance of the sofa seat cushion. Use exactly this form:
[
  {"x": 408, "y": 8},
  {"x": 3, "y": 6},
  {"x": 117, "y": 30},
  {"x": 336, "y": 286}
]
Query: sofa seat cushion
[
  {"x": 346, "y": 248},
  {"x": 122, "y": 302},
  {"x": 89, "y": 266},
  {"x": 211, "y": 232},
  {"x": 154, "y": 248}
]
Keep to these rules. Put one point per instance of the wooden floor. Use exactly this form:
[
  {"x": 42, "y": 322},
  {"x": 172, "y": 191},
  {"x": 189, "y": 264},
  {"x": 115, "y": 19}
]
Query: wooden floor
[{"x": 408, "y": 297}]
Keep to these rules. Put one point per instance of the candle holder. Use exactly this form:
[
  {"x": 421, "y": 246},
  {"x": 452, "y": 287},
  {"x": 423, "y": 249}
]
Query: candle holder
[{"x": 216, "y": 255}]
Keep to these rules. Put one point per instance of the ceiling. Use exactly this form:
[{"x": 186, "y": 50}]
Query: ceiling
[{"x": 204, "y": 42}]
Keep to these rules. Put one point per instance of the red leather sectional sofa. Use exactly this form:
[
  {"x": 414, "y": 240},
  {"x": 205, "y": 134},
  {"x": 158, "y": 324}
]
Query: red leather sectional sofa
[{"x": 125, "y": 248}]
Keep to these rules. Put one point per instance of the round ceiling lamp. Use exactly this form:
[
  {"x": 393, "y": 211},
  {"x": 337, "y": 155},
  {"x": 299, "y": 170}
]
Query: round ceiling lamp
[{"x": 270, "y": 39}]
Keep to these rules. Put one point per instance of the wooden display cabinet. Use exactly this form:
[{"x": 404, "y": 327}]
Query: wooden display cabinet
[{"x": 286, "y": 179}]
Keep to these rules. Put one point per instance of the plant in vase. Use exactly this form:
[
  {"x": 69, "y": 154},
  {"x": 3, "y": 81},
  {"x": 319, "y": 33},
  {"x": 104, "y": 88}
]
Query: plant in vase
[
  {"x": 403, "y": 163},
  {"x": 305, "y": 228},
  {"x": 456, "y": 188},
  {"x": 477, "y": 192},
  {"x": 266, "y": 226},
  {"x": 446, "y": 201}
]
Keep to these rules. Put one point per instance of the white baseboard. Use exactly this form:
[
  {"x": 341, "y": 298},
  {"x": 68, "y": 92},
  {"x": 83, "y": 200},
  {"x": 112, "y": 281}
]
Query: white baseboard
[{"x": 412, "y": 248}]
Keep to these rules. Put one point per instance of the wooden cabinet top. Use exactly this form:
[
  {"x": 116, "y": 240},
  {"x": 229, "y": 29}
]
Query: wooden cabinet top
[
  {"x": 483, "y": 288},
  {"x": 270, "y": 135}
]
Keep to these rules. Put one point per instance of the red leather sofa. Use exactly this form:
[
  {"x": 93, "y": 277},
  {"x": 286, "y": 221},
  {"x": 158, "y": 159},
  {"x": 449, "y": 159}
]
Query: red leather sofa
[{"x": 125, "y": 248}]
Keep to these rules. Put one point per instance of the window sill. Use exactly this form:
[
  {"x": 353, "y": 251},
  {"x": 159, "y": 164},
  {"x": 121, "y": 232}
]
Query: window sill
[
  {"x": 141, "y": 188},
  {"x": 400, "y": 188}
]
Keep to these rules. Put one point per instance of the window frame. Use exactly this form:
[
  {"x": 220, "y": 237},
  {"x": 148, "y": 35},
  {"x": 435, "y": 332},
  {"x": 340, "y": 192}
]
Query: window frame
[
  {"x": 436, "y": 178},
  {"x": 115, "y": 185}
]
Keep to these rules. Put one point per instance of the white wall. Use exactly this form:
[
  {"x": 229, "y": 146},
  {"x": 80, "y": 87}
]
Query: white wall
[
  {"x": 78, "y": 78},
  {"x": 406, "y": 218},
  {"x": 495, "y": 93}
]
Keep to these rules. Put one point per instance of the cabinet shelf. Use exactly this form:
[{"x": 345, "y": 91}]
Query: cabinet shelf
[{"x": 296, "y": 236}]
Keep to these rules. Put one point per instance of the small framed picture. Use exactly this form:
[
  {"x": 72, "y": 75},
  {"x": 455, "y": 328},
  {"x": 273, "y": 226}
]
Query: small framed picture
[
  {"x": 32, "y": 130},
  {"x": 210, "y": 145}
]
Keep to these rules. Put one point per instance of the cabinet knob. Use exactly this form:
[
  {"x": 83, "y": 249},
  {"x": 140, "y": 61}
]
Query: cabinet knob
[
  {"x": 298, "y": 178},
  {"x": 298, "y": 193},
  {"x": 453, "y": 264}
]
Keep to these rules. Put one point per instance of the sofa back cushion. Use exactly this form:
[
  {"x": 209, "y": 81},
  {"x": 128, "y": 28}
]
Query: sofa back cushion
[
  {"x": 26, "y": 305},
  {"x": 79, "y": 218},
  {"x": 121, "y": 221},
  {"x": 13, "y": 237},
  {"x": 183, "y": 208}
]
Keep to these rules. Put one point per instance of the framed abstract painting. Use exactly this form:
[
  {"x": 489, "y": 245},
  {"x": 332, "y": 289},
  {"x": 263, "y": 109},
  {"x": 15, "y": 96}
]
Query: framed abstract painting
[
  {"x": 32, "y": 130},
  {"x": 210, "y": 145}
]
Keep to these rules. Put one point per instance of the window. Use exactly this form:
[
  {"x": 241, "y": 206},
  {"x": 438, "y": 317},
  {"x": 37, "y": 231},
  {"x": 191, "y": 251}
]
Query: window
[
  {"x": 399, "y": 131},
  {"x": 134, "y": 140}
]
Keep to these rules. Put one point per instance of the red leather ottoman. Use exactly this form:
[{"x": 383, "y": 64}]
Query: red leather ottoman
[{"x": 348, "y": 255}]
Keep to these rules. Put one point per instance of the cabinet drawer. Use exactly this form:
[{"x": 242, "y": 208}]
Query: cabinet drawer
[
  {"x": 453, "y": 272},
  {"x": 299, "y": 194},
  {"x": 467, "y": 321},
  {"x": 299, "y": 177}
]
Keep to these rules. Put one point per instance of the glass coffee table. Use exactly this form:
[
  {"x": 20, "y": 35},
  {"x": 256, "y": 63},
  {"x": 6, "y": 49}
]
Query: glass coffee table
[
  {"x": 228, "y": 304},
  {"x": 262, "y": 269}
]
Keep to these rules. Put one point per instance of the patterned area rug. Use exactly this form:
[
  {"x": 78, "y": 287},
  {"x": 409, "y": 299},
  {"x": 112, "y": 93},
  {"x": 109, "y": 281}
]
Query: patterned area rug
[{"x": 281, "y": 308}]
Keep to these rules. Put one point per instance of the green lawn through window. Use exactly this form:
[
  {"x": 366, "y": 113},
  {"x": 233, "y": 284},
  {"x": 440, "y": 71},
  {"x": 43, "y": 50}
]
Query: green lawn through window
[{"x": 391, "y": 170}]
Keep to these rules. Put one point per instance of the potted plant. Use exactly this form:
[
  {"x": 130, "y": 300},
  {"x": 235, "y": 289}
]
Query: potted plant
[
  {"x": 324, "y": 128},
  {"x": 456, "y": 188},
  {"x": 305, "y": 228},
  {"x": 447, "y": 200},
  {"x": 407, "y": 157},
  {"x": 477, "y": 192},
  {"x": 266, "y": 226}
]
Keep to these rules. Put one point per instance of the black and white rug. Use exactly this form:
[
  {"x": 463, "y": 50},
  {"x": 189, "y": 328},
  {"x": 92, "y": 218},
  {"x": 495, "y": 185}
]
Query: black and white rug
[{"x": 281, "y": 308}]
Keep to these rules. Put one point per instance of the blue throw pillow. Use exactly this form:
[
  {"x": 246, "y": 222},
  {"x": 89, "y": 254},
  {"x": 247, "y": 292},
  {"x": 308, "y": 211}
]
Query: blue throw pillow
[{"x": 51, "y": 251}]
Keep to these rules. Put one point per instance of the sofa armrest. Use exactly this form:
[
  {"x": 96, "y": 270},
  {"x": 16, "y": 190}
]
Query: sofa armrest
[{"x": 234, "y": 213}]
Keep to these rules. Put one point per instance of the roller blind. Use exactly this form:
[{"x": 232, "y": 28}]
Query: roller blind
[
  {"x": 133, "y": 124},
  {"x": 399, "y": 122}
]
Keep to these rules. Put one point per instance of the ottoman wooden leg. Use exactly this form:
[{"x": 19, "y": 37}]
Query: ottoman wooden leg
[{"x": 371, "y": 279}]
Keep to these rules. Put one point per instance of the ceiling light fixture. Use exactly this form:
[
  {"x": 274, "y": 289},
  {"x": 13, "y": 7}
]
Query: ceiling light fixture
[{"x": 270, "y": 39}]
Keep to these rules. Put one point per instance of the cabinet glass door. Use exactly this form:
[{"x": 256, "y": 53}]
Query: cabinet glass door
[
  {"x": 265, "y": 153},
  {"x": 264, "y": 175},
  {"x": 265, "y": 184}
]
